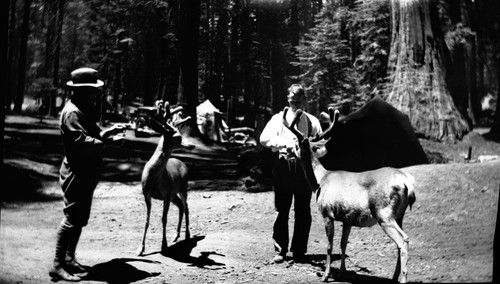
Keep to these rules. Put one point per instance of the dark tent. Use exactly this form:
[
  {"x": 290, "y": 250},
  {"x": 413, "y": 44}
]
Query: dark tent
[{"x": 375, "y": 136}]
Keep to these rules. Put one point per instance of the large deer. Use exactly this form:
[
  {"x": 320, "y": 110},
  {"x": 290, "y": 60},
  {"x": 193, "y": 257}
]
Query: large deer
[
  {"x": 165, "y": 178},
  {"x": 356, "y": 199}
]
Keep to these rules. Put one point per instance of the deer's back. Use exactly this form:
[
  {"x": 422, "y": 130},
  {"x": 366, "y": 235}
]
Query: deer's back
[{"x": 356, "y": 198}]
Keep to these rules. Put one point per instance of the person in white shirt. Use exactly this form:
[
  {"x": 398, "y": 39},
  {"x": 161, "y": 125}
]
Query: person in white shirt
[{"x": 288, "y": 178}]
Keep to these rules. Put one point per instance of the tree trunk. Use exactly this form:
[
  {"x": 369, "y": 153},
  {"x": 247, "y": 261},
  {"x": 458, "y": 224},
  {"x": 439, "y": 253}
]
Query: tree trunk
[
  {"x": 494, "y": 133},
  {"x": 294, "y": 23},
  {"x": 416, "y": 64},
  {"x": 18, "y": 104},
  {"x": 231, "y": 75},
  {"x": 10, "y": 55},
  {"x": 51, "y": 18},
  {"x": 189, "y": 41},
  {"x": 57, "y": 52},
  {"x": 294, "y": 26},
  {"x": 246, "y": 66},
  {"x": 3, "y": 62},
  {"x": 462, "y": 78}
]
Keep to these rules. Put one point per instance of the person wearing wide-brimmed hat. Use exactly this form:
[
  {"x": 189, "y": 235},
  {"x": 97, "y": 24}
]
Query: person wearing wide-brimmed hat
[{"x": 79, "y": 172}]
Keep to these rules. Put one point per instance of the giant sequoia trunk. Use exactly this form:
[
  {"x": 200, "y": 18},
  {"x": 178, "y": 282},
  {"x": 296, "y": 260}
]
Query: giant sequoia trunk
[{"x": 416, "y": 65}]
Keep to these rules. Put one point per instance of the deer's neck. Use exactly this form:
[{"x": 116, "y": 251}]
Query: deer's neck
[
  {"x": 319, "y": 171},
  {"x": 158, "y": 161},
  {"x": 314, "y": 172}
]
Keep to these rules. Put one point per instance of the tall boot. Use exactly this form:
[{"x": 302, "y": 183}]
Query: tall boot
[
  {"x": 72, "y": 266},
  {"x": 57, "y": 272}
]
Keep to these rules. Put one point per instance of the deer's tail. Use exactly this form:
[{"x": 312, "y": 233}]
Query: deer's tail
[{"x": 410, "y": 186}]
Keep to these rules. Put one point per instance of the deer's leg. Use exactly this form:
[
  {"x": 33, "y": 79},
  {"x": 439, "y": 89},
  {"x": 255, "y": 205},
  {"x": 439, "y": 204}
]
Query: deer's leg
[
  {"x": 166, "y": 206},
  {"x": 140, "y": 250},
  {"x": 183, "y": 196},
  {"x": 401, "y": 262},
  {"x": 394, "y": 231},
  {"x": 329, "y": 227},
  {"x": 177, "y": 202},
  {"x": 346, "y": 230},
  {"x": 397, "y": 271}
]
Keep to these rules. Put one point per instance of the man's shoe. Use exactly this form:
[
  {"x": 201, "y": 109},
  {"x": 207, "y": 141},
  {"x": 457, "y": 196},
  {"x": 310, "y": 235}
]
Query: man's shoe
[
  {"x": 278, "y": 258},
  {"x": 58, "y": 273},
  {"x": 73, "y": 267}
]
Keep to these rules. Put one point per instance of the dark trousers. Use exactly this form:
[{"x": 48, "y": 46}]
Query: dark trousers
[
  {"x": 289, "y": 184},
  {"x": 78, "y": 187}
]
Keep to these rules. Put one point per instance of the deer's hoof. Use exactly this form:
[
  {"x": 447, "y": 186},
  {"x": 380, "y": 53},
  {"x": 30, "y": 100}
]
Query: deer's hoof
[
  {"x": 325, "y": 278},
  {"x": 139, "y": 252}
]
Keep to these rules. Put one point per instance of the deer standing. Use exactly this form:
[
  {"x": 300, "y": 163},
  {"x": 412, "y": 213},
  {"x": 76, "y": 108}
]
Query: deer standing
[
  {"x": 356, "y": 199},
  {"x": 165, "y": 178}
]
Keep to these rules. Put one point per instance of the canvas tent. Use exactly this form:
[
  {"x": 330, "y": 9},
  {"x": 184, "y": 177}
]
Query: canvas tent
[
  {"x": 377, "y": 135},
  {"x": 210, "y": 122}
]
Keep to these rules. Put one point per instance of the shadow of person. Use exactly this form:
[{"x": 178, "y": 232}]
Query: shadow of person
[
  {"x": 119, "y": 271},
  {"x": 181, "y": 252}
]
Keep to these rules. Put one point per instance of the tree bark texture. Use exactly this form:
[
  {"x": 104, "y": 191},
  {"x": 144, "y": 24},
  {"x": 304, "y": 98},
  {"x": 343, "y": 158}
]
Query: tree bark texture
[
  {"x": 22, "y": 57},
  {"x": 461, "y": 78},
  {"x": 57, "y": 52},
  {"x": 417, "y": 69},
  {"x": 50, "y": 37}
]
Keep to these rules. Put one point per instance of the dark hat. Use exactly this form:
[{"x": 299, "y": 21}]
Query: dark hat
[{"x": 82, "y": 77}]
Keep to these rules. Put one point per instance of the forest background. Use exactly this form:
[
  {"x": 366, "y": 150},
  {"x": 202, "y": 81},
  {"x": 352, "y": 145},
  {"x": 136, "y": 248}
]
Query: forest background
[{"x": 436, "y": 60}]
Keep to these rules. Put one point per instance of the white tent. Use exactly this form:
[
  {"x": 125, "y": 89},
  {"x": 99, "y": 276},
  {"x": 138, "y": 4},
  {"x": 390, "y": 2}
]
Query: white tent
[{"x": 210, "y": 122}]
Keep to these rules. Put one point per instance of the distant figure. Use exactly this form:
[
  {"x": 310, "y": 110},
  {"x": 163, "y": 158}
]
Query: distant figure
[
  {"x": 79, "y": 173},
  {"x": 288, "y": 178}
]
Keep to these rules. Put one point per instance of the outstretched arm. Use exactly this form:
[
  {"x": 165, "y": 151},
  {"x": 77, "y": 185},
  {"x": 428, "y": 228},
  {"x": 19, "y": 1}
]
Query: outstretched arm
[{"x": 111, "y": 132}]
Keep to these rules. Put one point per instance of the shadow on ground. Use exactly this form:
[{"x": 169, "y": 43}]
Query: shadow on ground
[
  {"x": 20, "y": 184},
  {"x": 319, "y": 260},
  {"x": 181, "y": 252},
  {"x": 119, "y": 271}
]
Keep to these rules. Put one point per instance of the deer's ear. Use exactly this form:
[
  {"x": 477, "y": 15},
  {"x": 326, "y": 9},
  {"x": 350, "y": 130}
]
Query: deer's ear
[{"x": 319, "y": 148}]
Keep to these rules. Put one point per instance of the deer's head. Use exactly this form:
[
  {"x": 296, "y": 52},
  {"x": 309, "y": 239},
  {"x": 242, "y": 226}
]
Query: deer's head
[
  {"x": 311, "y": 146},
  {"x": 161, "y": 121}
]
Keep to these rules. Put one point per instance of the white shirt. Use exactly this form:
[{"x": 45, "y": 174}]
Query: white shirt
[{"x": 277, "y": 137}]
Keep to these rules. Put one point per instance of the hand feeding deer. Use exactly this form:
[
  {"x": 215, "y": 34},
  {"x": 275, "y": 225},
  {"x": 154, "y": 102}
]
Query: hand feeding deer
[
  {"x": 165, "y": 178},
  {"x": 356, "y": 199}
]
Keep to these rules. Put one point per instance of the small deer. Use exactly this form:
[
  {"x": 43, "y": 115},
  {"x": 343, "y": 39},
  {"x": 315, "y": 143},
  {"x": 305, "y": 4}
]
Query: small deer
[
  {"x": 165, "y": 178},
  {"x": 356, "y": 199}
]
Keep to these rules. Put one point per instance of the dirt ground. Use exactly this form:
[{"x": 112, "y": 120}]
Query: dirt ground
[{"x": 451, "y": 229}]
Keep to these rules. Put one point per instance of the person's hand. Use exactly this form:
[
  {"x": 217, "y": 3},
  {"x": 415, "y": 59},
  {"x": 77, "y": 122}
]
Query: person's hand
[
  {"x": 290, "y": 146},
  {"x": 116, "y": 129},
  {"x": 115, "y": 133}
]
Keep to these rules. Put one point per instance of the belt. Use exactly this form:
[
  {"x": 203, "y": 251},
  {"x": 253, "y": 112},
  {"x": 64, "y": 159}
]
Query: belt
[{"x": 291, "y": 162}]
